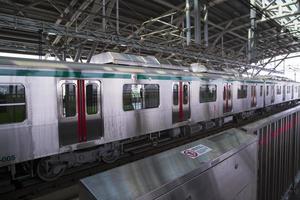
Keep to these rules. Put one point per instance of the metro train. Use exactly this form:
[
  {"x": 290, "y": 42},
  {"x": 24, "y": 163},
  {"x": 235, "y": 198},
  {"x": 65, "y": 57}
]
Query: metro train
[{"x": 56, "y": 115}]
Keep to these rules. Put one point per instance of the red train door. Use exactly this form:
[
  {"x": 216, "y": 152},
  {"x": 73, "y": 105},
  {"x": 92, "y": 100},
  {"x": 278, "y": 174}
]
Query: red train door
[
  {"x": 79, "y": 111},
  {"x": 181, "y": 102},
  {"x": 227, "y": 98}
]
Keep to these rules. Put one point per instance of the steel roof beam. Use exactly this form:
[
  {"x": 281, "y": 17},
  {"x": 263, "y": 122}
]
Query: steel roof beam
[
  {"x": 74, "y": 17},
  {"x": 34, "y": 25},
  {"x": 274, "y": 68}
]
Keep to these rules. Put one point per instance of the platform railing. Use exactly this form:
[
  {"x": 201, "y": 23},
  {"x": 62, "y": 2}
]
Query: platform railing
[{"x": 278, "y": 153}]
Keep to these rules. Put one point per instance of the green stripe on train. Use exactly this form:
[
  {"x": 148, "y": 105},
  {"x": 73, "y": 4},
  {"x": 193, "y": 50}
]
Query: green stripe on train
[{"x": 77, "y": 74}]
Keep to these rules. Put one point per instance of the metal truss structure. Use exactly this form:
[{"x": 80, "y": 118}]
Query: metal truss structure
[{"x": 220, "y": 33}]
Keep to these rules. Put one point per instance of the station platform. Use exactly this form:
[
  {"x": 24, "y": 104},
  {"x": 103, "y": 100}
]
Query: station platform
[
  {"x": 213, "y": 168},
  {"x": 259, "y": 161}
]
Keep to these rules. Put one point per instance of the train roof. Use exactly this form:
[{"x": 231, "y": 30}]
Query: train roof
[{"x": 24, "y": 63}]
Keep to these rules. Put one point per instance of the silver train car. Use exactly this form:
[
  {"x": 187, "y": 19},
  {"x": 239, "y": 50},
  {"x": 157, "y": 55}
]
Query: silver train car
[{"x": 64, "y": 114}]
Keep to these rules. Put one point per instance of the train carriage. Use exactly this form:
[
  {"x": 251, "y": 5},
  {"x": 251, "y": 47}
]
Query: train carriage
[{"x": 54, "y": 108}]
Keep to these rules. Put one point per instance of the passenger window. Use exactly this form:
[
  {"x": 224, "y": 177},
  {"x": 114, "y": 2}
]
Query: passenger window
[
  {"x": 137, "y": 96},
  {"x": 208, "y": 93},
  {"x": 92, "y": 99},
  {"x": 278, "y": 89},
  {"x": 261, "y": 90},
  {"x": 185, "y": 94},
  {"x": 175, "y": 94},
  {"x": 267, "y": 91},
  {"x": 69, "y": 99},
  {"x": 288, "y": 89},
  {"x": 242, "y": 91},
  {"x": 12, "y": 103},
  {"x": 151, "y": 96}
]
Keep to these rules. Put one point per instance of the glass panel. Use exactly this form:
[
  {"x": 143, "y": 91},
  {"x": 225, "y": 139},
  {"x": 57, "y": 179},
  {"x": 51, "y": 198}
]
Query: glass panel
[
  {"x": 208, "y": 93},
  {"x": 92, "y": 99},
  {"x": 229, "y": 92},
  {"x": 267, "y": 90},
  {"x": 127, "y": 97},
  {"x": 224, "y": 93},
  {"x": 272, "y": 93},
  {"x": 175, "y": 94},
  {"x": 261, "y": 91},
  {"x": 69, "y": 100},
  {"x": 151, "y": 95},
  {"x": 12, "y": 114},
  {"x": 278, "y": 89},
  {"x": 242, "y": 91},
  {"x": 13, "y": 95},
  {"x": 185, "y": 94},
  {"x": 132, "y": 97},
  {"x": 136, "y": 96}
]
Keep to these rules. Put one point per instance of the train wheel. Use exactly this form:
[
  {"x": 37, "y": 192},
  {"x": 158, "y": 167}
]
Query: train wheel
[
  {"x": 48, "y": 170},
  {"x": 111, "y": 153}
]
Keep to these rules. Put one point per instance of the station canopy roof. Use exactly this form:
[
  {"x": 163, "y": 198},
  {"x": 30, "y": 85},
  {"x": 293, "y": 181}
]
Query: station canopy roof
[{"x": 79, "y": 29}]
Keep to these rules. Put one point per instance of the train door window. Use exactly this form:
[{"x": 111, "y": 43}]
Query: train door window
[
  {"x": 151, "y": 95},
  {"x": 69, "y": 99},
  {"x": 267, "y": 92},
  {"x": 253, "y": 96},
  {"x": 284, "y": 93},
  {"x": 208, "y": 93},
  {"x": 224, "y": 93},
  {"x": 272, "y": 93},
  {"x": 229, "y": 92},
  {"x": 292, "y": 92},
  {"x": 242, "y": 91},
  {"x": 92, "y": 99},
  {"x": 185, "y": 94},
  {"x": 288, "y": 89},
  {"x": 227, "y": 97},
  {"x": 12, "y": 103},
  {"x": 175, "y": 94},
  {"x": 261, "y": 91}
]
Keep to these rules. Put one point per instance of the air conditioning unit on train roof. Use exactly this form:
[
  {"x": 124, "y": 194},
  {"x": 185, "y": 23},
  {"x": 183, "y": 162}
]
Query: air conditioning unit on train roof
[
  {"x": 134, "y": 60},
  {"x": 172, "y": 64},
  {"x": 198, "y": 67},
  {"x": 125, "y": 59}
]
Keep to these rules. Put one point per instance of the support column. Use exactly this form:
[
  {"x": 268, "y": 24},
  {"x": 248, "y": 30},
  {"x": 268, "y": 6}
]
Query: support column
[
  {"x": 40, "y": 51},
  {"x": 188, "y": 22},
  {"x": 64, "y": 55},
  {"x": 78, "y": 54},
  {"x": 222, "y": 45},
  {"x": 117, "y": 17},
  {"x": 251, "y": 33},
  {"x": 103, "y": 16},
  {"x": 197, "y": 21},
  {"x": 205, "y": 10}
]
